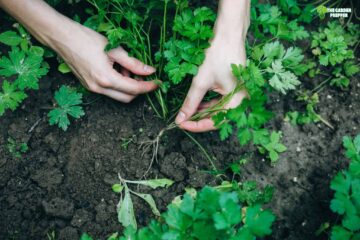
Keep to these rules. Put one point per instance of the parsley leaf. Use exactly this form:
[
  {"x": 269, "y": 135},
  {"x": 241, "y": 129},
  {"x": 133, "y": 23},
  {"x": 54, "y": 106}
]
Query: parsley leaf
[{"x": 282, "y": 80}]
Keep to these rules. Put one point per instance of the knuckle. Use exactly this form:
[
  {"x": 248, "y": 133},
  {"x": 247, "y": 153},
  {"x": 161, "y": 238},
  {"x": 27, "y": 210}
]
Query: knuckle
[
  {"x": 94, "y": 88},
  {"x": 129, "y": 99},
  {"x": 103, "y": 82}
]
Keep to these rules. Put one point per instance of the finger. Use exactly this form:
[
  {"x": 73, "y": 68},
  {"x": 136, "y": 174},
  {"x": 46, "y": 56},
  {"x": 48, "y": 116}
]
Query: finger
[
  {"x": 119, "y": 96},
  {"x": 208, "y": 104},
  {"x": 125, "y": 72},
  {"x": 203, "y": 125},
  {"x": 207, "y": 124},
  {"x": 193, "y": 99},
  {"x": 129, "y": 85},
  {"x": 236, "y": 99},
  {"x": 135, "y": 66}
]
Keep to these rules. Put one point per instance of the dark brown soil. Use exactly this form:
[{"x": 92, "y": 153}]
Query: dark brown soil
[{"x": 63, "y": 183}]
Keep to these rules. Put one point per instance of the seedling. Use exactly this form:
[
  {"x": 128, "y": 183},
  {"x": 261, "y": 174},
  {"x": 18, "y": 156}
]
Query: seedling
[
  {"x": 68, "y": 103},
  {"x": 125, "y": 209},
  {"x": 310, "y": 116},
  {"x": 16, "y": 149}
]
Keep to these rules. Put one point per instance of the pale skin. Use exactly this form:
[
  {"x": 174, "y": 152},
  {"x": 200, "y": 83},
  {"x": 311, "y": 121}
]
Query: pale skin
[{"x": 83, "y": 50}]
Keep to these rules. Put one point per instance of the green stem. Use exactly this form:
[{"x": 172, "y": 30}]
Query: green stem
[
  {"x": 203, "y": 150},
  {"x": 321, "y": 85}
]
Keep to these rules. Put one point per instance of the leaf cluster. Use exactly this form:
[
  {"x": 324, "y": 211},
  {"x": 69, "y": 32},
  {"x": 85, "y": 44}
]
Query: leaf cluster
[
  {"x": 207, "y": 215},
  {"x": 310, "y": 115},
  {"x": 16, "y": 149},
  {"x": 269, "y": 21},
  {"x": 270, "y": 67},
  {"x": 346, "y": 201},
  {"x": 185, "y": 50},
  {"x": 22, "y": 67},
  {"x": 332, "y": 46}
]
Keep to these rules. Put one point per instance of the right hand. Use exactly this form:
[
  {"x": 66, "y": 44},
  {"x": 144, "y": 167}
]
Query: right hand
[{"x": 84, "y": 52}]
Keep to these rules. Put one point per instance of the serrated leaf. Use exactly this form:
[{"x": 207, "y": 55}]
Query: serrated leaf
[
  {"x": 339, "y": 233},
  {"x": 282, "y": 80},
  {"x": 67, "y": 105},
  {"x": 10, "y": 97},
  {"x": 225, "y": 131},
  {"x": 27, "y": 68},
  {"x": 258, "y": 221}
]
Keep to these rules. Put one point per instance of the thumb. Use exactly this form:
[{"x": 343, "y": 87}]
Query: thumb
[
  {"x": 132, "y": 64},
  {"x": 193, "y": 99}
]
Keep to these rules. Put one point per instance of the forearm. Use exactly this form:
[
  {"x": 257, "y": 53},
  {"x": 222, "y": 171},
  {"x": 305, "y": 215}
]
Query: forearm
[
  {"x": 40, "y": 19},
  {"x": 233, "y": 19}
]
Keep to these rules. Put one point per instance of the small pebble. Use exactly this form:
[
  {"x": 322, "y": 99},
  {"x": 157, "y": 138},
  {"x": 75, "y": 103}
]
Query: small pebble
[
  {"x": 295, "y": 179},
  {"x": 329, "y": 96},
  {"x": 303, "y": 223},
  {"x": 298, "y": 149}
]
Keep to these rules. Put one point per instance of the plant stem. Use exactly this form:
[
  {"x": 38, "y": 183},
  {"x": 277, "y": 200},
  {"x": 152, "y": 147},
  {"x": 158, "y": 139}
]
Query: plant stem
[{"x": 203, "y": 150}]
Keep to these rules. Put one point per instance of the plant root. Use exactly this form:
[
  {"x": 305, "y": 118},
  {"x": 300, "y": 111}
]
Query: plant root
[{"x": 153, "y": 146}]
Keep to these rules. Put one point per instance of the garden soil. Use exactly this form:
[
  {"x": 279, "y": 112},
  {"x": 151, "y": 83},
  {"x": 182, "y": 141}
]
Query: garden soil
[{"x": 63, "y": 183}]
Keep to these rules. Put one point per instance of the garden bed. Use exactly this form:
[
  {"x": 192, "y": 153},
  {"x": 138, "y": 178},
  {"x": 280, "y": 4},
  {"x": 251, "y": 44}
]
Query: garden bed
[{"x": 63, "y": 183}]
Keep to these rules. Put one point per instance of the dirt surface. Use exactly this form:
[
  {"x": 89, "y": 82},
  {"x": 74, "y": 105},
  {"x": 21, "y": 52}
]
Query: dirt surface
[{"x": 63, "y": 183}]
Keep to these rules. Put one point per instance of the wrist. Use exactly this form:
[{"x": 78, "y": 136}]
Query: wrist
[{"x": 233, "y": 20}]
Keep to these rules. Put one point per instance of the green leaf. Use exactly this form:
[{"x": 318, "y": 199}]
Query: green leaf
[
  {"x": 351, "y": 222},
  {"x": 274, "y": 146},
  {"x": 339, "y": 233},
  {"x": 64, "y": 68},
  {"x": 85, "y": 236},
  {"x": 154, "y": 183},
  {"x": 68, "y": 102},
  {"x": 282, "y": 80},
  {"x": 352, "y": 148},
  {"x": 10, "y": 97},
  {"x": 117, "y": 188},
  {"x": 244, "y": 136},
  {"x": 258, "y": 221},
  {"x": 149, "y": 200},
  {"x": 230, "y": 211},
  {"x": 27, "y": 68},
  {"x": 126, "y": 215},
  {"x": 225, "y": 131},
  {"x": 351, "y": 68},
  {"x": 10, "y": 38}
]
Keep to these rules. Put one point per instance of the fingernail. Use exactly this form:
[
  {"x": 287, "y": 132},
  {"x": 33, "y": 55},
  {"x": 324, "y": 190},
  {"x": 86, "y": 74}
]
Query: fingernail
[
  {"x": 180, "y": 118},
  {"x": 149, "y": 69}
]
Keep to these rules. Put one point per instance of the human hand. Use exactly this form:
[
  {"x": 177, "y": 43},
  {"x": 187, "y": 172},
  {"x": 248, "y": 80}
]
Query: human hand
[
  {"x": 227, "y": 47},
  {"x": 84, "y": 53}
]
